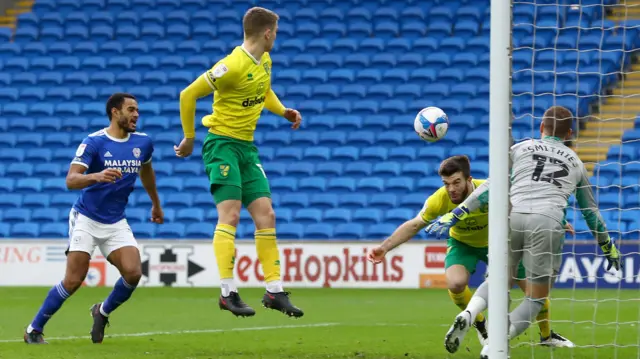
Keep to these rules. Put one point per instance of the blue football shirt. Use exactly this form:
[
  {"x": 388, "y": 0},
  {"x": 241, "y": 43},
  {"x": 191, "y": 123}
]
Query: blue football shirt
[{"x": 106, "y": 202}]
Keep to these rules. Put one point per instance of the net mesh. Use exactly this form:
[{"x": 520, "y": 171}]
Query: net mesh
[{"x": 583, "y": 55}]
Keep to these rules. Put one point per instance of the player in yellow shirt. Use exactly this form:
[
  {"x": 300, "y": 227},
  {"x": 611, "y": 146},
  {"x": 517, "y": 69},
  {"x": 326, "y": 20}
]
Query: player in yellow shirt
[
  {"x": 241, "y": 86},
  {"x": 468, "y": 243}
]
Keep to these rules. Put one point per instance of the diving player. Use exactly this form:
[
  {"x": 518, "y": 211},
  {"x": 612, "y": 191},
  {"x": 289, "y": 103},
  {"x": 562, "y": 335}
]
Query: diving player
[
  {"x": 241, "y": 84},
  {"x": 545, "y": 173},
  {"x": 467, "y": 243},
  {"x": 106, "y": 166}
]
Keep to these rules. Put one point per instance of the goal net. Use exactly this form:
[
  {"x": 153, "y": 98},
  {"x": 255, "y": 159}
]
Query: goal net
[{"x": 582, "y": 54}]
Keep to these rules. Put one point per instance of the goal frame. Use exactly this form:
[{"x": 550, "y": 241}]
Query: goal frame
[{"x": 499, "y": 144}]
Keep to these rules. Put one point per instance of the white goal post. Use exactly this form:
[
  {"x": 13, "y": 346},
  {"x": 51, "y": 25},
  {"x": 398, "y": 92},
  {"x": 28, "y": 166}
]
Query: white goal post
[
  {"x": 499, "y": 143},
  {"x": 584, "y": 55}
]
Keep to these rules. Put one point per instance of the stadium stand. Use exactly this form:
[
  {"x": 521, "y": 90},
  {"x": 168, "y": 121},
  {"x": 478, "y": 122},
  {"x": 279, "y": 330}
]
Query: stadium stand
[{"x": 357, "y": 70}]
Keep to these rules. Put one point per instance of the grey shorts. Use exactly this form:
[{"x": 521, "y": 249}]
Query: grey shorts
[{"x": 537, "y": 240}]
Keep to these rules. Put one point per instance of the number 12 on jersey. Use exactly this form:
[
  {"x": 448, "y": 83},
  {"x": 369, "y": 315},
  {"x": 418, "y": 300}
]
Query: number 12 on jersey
[{"x": 549, "y": 177}]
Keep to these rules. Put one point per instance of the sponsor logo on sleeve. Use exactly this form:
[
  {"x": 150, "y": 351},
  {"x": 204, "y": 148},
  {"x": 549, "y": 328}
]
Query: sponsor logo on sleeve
[{"x": 80, "y": 149}]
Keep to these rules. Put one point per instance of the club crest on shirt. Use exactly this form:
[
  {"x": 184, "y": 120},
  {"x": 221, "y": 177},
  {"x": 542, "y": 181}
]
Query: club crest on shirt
[
  {"x": 136, "y": 152},
  {"x": 267, "y": 69},
  {"x": 224, "y": 170}
]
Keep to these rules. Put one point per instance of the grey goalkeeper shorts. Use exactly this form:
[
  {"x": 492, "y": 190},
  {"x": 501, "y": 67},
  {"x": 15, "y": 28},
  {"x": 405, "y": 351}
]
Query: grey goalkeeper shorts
[{"x": 537, "y": 240}]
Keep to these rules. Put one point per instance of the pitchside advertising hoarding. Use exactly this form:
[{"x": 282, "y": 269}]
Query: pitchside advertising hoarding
[{"x": 335, "y": 264}]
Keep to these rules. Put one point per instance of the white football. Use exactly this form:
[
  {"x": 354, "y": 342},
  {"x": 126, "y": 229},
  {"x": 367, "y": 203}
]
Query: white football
[{"x": 431, "y": 124}]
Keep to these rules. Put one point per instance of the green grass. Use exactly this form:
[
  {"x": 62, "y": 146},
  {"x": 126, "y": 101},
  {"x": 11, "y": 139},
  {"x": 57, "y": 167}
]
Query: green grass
[{"x": 339, "y": 323}]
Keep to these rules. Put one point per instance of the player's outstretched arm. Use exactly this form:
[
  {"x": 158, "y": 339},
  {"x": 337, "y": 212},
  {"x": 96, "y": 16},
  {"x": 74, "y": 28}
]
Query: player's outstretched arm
[
  {"x": 273, "y": 104},
  {"x": 148, "y": 179},
  {"x": 402, "y": 234},
  {"x": 591, "y": 213},
  {"x": 77, "y": 179},
  {"x": 188, "y": 98}
]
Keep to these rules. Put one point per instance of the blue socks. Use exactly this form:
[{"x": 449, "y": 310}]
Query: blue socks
[
  {"x": 57, "y": 295},
  {"x": 120, "y": 294}
]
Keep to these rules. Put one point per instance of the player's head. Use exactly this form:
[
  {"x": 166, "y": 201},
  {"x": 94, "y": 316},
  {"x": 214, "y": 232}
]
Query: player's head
[
  {"x": 260, "y": 25},
  {"x": 123, "y": 109},
  {"x": 557, "y": 121},
  {"x": 456, "y": 175}
]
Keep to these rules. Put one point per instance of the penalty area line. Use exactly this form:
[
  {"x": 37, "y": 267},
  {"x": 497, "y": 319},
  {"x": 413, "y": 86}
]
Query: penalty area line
[{"x": 180, "y": 332}]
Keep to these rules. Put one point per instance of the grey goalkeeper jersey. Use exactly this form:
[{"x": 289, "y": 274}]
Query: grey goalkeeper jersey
[{"x": 544, "y": 175}]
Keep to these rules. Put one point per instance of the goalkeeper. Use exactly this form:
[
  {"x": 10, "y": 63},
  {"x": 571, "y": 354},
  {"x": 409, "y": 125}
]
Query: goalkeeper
[
  {"x": 467, "y": 243},
  {"x": 545, "y": 173}
]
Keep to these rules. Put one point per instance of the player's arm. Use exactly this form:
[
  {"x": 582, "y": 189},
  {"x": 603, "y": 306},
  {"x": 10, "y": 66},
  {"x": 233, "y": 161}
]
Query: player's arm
[
  {"x": 201, "y": 87},
  {"x": 273, "y": 104},
  {"x": 76, "y": 177},
  {"x": 148, "y": 179},
  {"x": 408, "y": 229},
  {"x": 595, "y": 222}
]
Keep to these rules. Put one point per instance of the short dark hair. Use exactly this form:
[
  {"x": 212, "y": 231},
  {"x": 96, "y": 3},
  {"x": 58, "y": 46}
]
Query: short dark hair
[
  {"x": 257, "y": 20},
  {"x": 558, "y": 121},
  {"x": 117, "y": 100},
  {"x": 455, "y": 164}
]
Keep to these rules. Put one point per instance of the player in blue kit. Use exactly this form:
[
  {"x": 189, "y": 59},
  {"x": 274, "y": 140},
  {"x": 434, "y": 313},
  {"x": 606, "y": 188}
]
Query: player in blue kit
[{"x": 105, "y": 168}]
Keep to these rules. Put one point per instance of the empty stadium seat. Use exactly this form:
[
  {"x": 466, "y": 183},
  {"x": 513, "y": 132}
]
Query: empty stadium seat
[{"x": 358, "y": 72}]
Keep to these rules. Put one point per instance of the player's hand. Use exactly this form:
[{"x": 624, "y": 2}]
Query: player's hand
[
  {"x": 157, "y": 215},
  {"x": 611, "y": 253},
  {"x": 440, "y": 227},
  {"x": 108, "y": 175},
  {"x": 185, "y": 148},
  {"x": 376, "y": 255},
  {"x": 294, "y": 117},
  {"x": 569, "y": 229}
]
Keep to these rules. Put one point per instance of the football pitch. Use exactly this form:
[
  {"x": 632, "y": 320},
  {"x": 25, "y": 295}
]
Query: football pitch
[{"x": 185, "y": 323}]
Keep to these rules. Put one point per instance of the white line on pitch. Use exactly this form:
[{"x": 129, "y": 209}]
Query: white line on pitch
[{"x": 178, "y": 332}]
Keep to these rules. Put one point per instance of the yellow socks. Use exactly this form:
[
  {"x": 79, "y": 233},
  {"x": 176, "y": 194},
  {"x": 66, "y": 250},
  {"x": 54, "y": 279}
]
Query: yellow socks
[
  {"x": 269, "y": 257},
  {"x": 224, "y": 249},
  {"x": 543, "y": 319},
  {"x": 462, "y": 300}
]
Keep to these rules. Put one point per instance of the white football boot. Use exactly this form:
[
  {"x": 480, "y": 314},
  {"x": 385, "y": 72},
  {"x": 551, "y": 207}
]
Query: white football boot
[
  {"x": 556, "y": 340},
  {"x": 484, "y": 354},
  {"x": 458, "y": 330}
]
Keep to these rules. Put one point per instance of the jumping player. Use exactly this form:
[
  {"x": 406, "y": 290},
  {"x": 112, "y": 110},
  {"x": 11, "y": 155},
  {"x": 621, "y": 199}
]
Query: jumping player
[
  {"x": 545, "y": 173},
  {"x": 106, "y": 166},
  {"x": 241, "y": 83},
  {"x": 467, "y": 243}
]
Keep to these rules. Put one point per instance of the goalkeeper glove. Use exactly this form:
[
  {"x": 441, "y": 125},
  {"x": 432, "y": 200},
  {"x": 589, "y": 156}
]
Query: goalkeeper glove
[
  {"x": 440, "y": 227},
  {"x": 611, "y": 253}
]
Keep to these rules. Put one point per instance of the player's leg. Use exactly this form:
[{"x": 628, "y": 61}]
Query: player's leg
[
  {"x": 548, "y": 337},
  {"x": 256, "y": 197},
  {"x": 81, "y": 245},
  {"x": 541, "y": 257},
  {"x": 460, "y": 263},
  {"x": 221, "y": 159},
  {"x": 120, "y": 248},
  {"x": 479, "y": 301}
]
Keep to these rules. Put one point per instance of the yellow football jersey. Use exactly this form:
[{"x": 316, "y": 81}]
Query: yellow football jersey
[
  {"x": 473, "y": 230},
  {"x": 240, "y": 84}
]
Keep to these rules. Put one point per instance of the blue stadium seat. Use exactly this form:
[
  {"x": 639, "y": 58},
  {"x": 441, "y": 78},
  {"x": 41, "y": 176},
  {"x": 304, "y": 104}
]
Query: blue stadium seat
[
  {"x": 46, "y": 215},
  {"x": 4, "y": 229},
  {"x": 199, "y": 230},
  {"x": 54, "y": 230},
  {"x": 25, "y": 230},
  {"x": 349, "y": 231},
  {"x": 290, "y": 231},
  {"x": 318, "y": 231}
]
